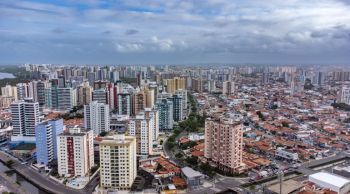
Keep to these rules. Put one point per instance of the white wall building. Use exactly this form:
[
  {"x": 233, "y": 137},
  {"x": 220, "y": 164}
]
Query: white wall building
[
  {"x": 344, "y": 96},
  {"x": 141, "y": 126},
  {"x": 155, "y": 114},
  {"x": 286, "y": 154},
  {"x": 75, "y": 152},
  {"x": 330, "y": 181},
  {"x": 96, "y": 117},
  {"x": 25, "y": 116}
]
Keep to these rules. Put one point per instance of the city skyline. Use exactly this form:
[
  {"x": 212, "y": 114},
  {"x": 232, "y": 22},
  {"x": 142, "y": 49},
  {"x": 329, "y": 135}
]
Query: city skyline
[{"x": 175, "y": 32}]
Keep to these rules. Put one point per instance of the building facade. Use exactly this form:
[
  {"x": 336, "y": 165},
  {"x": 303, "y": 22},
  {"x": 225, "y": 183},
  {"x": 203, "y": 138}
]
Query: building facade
[
  {"x": 25, "y": 116},
  {"x": 141, "y": 127},
  {"x": 75, "y": 152},
  {"x": 118, "y": 168},
  {"x": 84, "y": 94},
  {"x": 124, "y": 104},
  {"x": 46, "y": 140},
  {"x": 224, "y": 143},
  {"x": 165, "y": 108},
  {"x": 96, "y": 117},
  {"x": 177, "y": 107}
]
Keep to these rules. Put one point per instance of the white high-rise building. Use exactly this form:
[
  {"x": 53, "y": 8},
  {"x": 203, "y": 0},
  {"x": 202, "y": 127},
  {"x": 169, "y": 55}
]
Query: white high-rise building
[
  {"x": 118, "y": 168},
  {"x": 75, "y": 152},
  {"x": 149, "y": 112},
  {"x": 25, "y": 116},
  {"x": 141, "y": 126},
  {"x": 344, "y": 95},
  {"x": 96, "y": 117},
  {"x": 22, "y": 91}
]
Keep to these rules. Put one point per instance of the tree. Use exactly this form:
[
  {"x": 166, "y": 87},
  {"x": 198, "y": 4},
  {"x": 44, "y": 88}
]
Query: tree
[
  {"x": 178, "y": 155},
  {"x": 207, "y": 169},
  {"x": 170, "y": 145},
  {"x": 159, "y": 167},
  {"x": 193, "y": 160},
  {"x": 161, "y": 142},
  {"x": 341, "y": 106},
  {"x": 9, "y": 163},
  {"x": 103, "y": 133}
]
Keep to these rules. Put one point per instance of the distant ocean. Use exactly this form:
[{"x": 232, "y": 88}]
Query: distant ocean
[{"x": 6, "y": 75}]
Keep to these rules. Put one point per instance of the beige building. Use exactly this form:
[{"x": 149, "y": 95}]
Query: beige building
[
  {"x": 118, "y": 168},
  {"x": 75, "y": 152},
  {"x": 174, "y": 84},
  {"x": 223, "y": 143},
  {"x": 84, "y": 93},
  {"x": 150, "y": 97},
  {"x": 228, "y": 88},
  {"x": 138, "y": 102},
  {"x": 5, "y": 101},
  {"x": 197, "y": 85},
  {"x": 9, "y": 91}
]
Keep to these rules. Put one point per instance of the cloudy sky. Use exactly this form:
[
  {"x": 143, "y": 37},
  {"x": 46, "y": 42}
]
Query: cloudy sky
[{"x": 173, "y": 31}]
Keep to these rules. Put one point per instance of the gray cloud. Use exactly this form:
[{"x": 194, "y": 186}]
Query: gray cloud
[
  {"x": 131, "y": 32},
  {"x": 188, "y": 31},
  {"x": 58, "y": 31}
]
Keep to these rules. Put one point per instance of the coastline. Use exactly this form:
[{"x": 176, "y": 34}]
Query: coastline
[{"x": 4, "y": 75}]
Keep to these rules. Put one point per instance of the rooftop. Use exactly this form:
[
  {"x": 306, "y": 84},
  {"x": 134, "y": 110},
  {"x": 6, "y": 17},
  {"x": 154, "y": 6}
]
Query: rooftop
[
  {"x": 333, "y": 179},
  {"x": 190, "y": 173}
]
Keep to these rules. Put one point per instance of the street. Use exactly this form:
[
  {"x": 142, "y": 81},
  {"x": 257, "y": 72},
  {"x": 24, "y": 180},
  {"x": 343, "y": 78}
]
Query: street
[{"x": 44, "y": 182}]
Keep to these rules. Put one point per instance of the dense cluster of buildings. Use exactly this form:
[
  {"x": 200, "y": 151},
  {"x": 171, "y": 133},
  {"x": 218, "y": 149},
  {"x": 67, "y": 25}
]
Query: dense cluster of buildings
[{"x": 256, "y": 117}]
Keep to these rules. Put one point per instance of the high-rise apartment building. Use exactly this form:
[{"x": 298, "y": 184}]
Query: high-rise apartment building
[
  {"x": 118, "y": 168},
  {"x": 141, "y": 126},
  {"x": 138, "y": 102},
  {"x": 166, "y": 119},
  {"x": 344, "y": 95},
  {"x": 9, "y": 91},
  {"x": 177, "y": 107},
  {"x": 46, "y": 140},
  {"x": 150, "y": 97},
  {"x": 341, "y": 75},
  {"x": 174, "y": 84},
  {"x": 224, "y": 143},
  {"x": 60, "y": 98},
  {"x": 211, "y": 85},
  {"x": 22, "y": 91},
  {"x": 124, "y": 104},
  {"x": 25, "y": 116},
  {"x": 197, "y": 85},
  {"x": 183, "y": 95},
  {"x": 96, "y": 117},
  {"x": 100, "y": 95},
  {"x": 75, "y": 152},
  {"x": 38, "y": 90},
  {"x": 228, "y": 88},
  {"x": 150, "y": 112},
  {"x": 84, "y": 94},
  {"x": 100, "y": 84}
]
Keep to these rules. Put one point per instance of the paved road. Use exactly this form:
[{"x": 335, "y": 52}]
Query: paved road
[
  {"x": 10, "y": 185},
  {"x": 170, "y": 154},
  {"x": 45, "y": 182}
]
